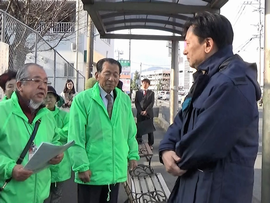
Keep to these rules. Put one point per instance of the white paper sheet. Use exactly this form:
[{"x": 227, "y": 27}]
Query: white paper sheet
[{"x": 45, "y": 152}]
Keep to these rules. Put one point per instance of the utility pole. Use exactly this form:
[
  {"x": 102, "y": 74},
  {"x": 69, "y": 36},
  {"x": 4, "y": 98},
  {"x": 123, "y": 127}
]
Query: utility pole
[
  {"x": 260, "y": 45},
  {"x": 77, "y": 43},
  {"x": 129, "y": 56},
  {"x": 90, "y": 48},
  {"x": 174, "y": 81},
  {"x": 265, "y": 187}
]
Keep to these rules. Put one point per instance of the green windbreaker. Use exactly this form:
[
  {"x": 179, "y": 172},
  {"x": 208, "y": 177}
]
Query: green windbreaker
[
  {"x": 14, "y": 134},
  {"x": 102, "y": 145},
  {"x": 61, "y": 171},
  {"x": 4, "y": 98}
]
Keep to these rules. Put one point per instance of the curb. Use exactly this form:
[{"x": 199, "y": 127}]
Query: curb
[{"x": 162, "y": 122}]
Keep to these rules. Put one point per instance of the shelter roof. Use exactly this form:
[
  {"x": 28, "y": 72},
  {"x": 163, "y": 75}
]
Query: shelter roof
[{"x": 165, "y": 15}]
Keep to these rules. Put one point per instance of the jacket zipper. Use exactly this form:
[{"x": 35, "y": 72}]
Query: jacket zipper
[
  {"x": 35, "y": 190},
  {"x": 113, "y": 155}
]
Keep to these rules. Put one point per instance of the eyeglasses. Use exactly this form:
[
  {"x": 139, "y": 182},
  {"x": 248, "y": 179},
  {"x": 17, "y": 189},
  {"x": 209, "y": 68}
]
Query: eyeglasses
[{"x": 37, "y": 81}]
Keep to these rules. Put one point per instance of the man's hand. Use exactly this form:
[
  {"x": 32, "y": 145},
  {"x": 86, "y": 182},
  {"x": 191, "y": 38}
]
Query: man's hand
[
  {"x": 20, "y": 174},
  {"x": 57, "y": 159},
  {"x": 144, "y": 113},
  {"x": 170, "y": 160},
  {"x": 85, "y": 176},
  {"x": 132, "y": 164}
]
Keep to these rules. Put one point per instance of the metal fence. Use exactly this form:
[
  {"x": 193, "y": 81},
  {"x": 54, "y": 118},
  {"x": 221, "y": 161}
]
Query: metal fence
[{"x": 25, "y": 45}]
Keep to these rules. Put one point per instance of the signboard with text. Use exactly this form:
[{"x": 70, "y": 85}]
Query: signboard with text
[{"x": 125, "y": 75}]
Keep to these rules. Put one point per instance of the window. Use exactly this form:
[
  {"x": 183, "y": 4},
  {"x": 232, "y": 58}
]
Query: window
[{"x": 69, "y": 70}]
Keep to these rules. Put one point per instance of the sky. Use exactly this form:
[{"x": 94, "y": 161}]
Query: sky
[{"x": 155, "y": 53}]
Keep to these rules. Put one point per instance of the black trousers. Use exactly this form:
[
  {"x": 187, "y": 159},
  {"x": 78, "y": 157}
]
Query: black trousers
[
  {"x": 150, "y": 135},
  {"x": 97, "y": 193}
]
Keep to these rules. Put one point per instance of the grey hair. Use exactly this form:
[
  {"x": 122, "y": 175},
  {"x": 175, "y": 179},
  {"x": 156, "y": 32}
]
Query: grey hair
[{"x": 23, "y": 71}]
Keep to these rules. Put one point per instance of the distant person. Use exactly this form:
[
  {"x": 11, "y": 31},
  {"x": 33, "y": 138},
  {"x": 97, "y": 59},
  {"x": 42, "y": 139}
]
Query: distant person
[
  {"x": 90, "y": 83},
  {"x": 19, "y": 115},
  {"x": 212, "y": 145},
  {"x": 8, "y": 83},
  {"x": 120, "y": 85},
  {"x": 144, "y": 102},
  {"x": 103, "y": 128},
  {"x": 62, "y": 171},
  {"x": 68, "y": 93}
]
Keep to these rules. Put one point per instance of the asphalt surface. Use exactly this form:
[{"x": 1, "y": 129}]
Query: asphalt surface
[{"x": 70, "y": 189}]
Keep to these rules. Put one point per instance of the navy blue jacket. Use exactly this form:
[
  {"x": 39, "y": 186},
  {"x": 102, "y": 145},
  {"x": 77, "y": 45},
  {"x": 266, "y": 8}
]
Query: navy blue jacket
[{"x": 218, "y": 139}]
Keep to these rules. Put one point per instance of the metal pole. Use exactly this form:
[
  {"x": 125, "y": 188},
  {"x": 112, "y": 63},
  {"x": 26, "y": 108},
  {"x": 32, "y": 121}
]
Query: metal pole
[
  {"x": 54, "y": 68},
  {"x": 129, "y": 56},
  {"x": 3, "y": 27},
  {"x": 265, "y": 187},
  {"x": 77, "y": 41},
  {"x": 260, "y": 45},
  {"x": 174, "y": 82},
  {"x": 90, "y": 47},
  {"x": 36, "y": 42},
  {"x": 91, "y": 51}
]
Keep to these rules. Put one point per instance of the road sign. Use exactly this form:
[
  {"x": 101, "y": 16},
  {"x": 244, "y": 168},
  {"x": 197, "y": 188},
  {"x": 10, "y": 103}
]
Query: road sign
[{"x": 124, "y": 63}]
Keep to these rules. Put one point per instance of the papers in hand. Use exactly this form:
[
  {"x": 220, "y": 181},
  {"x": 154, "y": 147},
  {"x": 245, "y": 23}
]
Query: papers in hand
[{"x": 44, "y": 153}]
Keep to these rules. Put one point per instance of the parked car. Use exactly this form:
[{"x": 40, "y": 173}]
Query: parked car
[
  {"x": 166, "y": 96},
  {"x": 182, "y": 92},
  {"x": 160, "y": 94},
  {"x": 181, "y": 97}
]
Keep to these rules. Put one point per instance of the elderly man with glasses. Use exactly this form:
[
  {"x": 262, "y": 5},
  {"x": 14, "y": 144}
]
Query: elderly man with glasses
[{"x": 20, "y": 115}]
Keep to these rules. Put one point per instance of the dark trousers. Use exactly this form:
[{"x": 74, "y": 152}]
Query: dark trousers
[
  {"x": 150, "y": 135},
  {"x": 56, "y": 191},
  {"x": 97, "y": 193}
]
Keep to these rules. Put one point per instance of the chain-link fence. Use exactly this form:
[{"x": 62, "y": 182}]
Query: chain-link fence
[{"x": 19, "y": 44}]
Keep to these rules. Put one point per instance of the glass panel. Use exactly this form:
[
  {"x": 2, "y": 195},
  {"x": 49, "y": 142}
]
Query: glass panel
[{"x": 113, "y": 19}]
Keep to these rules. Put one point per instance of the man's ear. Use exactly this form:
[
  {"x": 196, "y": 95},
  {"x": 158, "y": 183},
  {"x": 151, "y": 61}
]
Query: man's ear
[
  {"x": 209, "y": 45},
  {"x": 96, "y": 75},
  {"x": 19, "y": 85}
]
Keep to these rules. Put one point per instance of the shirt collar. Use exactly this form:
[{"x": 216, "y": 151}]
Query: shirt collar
[{"x": 103, "y": 93}]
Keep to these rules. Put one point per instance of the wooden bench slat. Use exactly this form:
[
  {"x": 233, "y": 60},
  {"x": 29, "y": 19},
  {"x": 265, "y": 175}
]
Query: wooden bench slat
[
  {"x": 150, "y": 185},
  {"x": 150, "y": 152},
  {"x": 157, "y": 185},
  {"x": 164, "y": 185},
  {"x": 144, "y": 188}
]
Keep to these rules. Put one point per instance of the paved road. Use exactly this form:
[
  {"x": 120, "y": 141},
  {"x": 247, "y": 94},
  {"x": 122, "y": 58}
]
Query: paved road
[{"x": 70, "y": 191}]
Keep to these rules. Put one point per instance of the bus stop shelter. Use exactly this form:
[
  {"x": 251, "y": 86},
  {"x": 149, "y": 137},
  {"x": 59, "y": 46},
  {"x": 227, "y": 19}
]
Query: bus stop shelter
[
  {"x": 170, "y": 15},
  {"x": 165, "y": 15}
]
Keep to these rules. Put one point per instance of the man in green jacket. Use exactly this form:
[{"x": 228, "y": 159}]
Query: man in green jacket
[
  {"x": 18, "y": 117},
  {"x": 103, "y": 128}
]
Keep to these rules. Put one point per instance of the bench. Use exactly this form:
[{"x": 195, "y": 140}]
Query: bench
[
  {"x": 148, "y": 188},
  {"x": 144, "y": 152}
]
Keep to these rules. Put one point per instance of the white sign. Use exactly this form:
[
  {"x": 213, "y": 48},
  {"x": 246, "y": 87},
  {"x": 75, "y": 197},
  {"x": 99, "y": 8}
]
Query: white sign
[{"x": 4, "y": 57}]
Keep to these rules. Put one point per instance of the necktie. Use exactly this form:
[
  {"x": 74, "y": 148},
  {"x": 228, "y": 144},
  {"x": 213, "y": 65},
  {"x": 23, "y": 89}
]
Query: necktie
[
  {"x": 109, "y": 105},
  {"x": 144, "y": 92}
]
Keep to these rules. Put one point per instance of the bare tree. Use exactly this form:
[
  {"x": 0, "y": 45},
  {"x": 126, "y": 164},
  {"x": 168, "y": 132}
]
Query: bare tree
[{"x": 40, "y": 15}]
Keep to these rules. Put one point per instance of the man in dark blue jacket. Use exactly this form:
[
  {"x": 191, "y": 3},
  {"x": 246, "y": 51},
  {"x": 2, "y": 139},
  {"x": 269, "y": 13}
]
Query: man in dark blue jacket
[{"x": 212, "y": 144}]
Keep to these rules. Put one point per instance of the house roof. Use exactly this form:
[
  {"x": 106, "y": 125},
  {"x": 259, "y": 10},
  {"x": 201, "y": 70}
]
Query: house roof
[{"x": 165, "y": 15}]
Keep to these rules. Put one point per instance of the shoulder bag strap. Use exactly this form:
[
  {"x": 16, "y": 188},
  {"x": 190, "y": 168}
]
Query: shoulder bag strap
[{"x": 26, "y": 148}]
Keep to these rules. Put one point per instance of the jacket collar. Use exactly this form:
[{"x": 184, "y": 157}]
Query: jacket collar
[
  {"x": 18, "y": 110},
  {"x": 211, "y": 65}
]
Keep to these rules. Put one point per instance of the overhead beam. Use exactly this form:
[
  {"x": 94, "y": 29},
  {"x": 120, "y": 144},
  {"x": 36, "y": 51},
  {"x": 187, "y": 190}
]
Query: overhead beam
[
  {"x": 97, "y": 20},
  {"x": 157, "y": 7},
  {"x": 144, "y": 27},
  {"x": 141, "y": 20},
  {"x": 143, "y": 37},
  {"x": 113, "y": 14}
]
